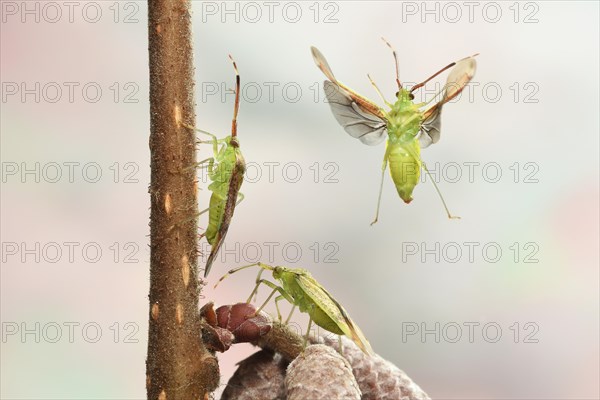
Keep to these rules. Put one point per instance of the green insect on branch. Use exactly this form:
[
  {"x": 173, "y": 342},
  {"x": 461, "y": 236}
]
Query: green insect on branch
[{"x": 226, "y": 180}]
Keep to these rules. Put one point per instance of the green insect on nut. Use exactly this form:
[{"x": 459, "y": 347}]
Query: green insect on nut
[{"x": 303, "y": 291}]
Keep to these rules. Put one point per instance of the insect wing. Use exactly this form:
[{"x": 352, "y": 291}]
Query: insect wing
[
  {"x": 359, "y": 116},
  {"x": 321, "y": 62},
  {"x": 235, "y": 183},
  {"x": 459, "y": 77},
  {"x": 365, "y": 104},
  {"x": 430, "y": 129},
  {"x": 366, "y": 127},
  {"x": 334, "y": 310},
  {"x": 354, "y": 331}
]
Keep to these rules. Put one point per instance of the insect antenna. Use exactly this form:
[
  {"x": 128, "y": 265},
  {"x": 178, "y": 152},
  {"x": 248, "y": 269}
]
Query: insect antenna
[
  {"x": 236, "y": 107},
  {"x": 396, "y": 62},
  {"x": 232, "y": 271},
  {"x": 420, "y": 85}
]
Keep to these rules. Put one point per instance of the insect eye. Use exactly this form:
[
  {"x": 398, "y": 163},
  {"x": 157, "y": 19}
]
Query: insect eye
[
  {"x": 411, "y": 96},
  {"x": 397, "y": 93}
]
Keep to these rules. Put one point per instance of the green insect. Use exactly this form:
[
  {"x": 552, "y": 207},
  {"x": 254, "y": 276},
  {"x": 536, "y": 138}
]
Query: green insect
[
  {"x": 226, "y": 180},
  {"x": 303, "y": 291},
  {"x": 408, "y": 127}
]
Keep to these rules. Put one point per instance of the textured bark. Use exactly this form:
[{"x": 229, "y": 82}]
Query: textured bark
[{"x": 178, "y": 365}]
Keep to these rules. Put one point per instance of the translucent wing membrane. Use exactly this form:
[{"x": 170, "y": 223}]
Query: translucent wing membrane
[
  {"x": 334, "y": 310},
  {"x": 459, "y": 77},
  {"x": 322, "y": 64},
  {"x": 430, "y": 129},
  {"x": 366, "y": 127},
  {"x": 360, "y": 117}
]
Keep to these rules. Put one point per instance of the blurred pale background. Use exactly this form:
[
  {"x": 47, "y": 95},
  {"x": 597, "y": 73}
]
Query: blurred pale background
[{"x": 522, "y": 324}]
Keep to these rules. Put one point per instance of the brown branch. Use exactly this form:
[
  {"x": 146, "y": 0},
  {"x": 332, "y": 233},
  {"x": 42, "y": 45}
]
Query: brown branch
[
  {"x": 178, "y": 365},
  {"x": 283, "y": 340}
]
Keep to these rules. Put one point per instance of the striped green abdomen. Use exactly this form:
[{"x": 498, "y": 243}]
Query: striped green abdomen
[
  {"x": 405, "y": 167},
  {"x": 215, "y": 216},
  {"x": 308, "y": 299}
]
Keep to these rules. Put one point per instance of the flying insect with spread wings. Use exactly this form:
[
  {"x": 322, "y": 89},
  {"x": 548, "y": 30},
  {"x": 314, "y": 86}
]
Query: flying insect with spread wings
[{"x": 408, "y": 126}]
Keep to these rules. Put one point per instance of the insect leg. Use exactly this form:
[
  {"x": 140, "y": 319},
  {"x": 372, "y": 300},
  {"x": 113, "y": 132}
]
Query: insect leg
[
  {"x": 215, "y": 145},
  {"x": 439, "y": 193},
  {"x": 255, "y": 290},
  {"x": 213, "y": 137},
  {"x": 209, "y": 166},
  {"x": 307, "y": 332},
  {"x": 277, "y": 300},
  {"x": 378, "y": 91},
  {"x": 287, "y": 320},
  {"x": 214, "y": 141},
  {"x": 205, "y": 210},
  {"x": 275, "y": 288},
  {"x": 266, "y": 301},
  {"x": 383, "y": 168},
  {"x": 198, "y": 165},
  {"x": 206, "y": 160}
]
